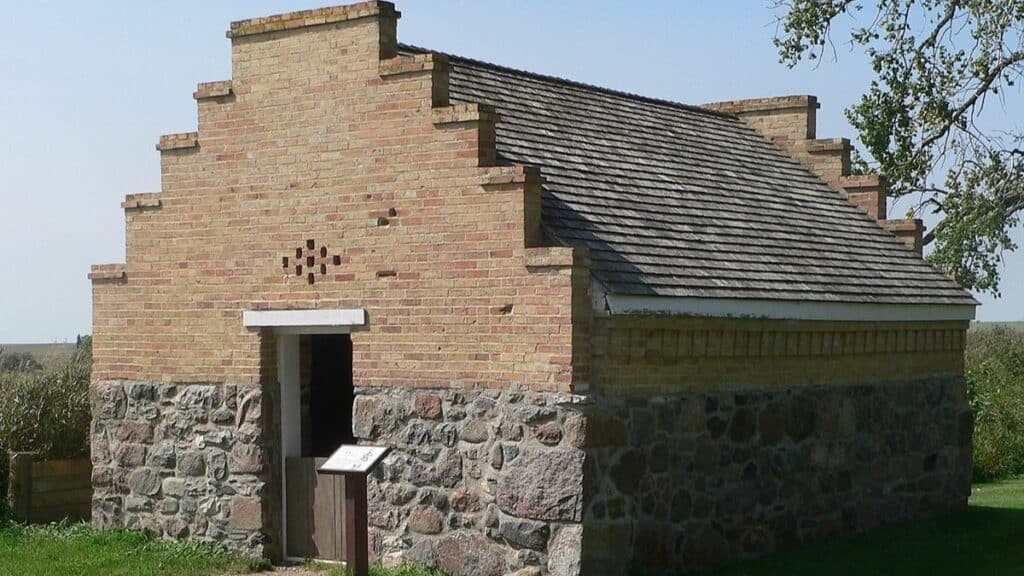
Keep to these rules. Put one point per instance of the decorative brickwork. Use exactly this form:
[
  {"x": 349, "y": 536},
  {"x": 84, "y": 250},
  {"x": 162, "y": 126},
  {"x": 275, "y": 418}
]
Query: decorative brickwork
[
  {"x": 310, "y": 261},
  {"x": 659, "y": 355}
]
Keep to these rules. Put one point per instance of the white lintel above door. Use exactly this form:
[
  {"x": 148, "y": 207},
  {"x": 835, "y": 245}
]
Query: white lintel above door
[{"x": 330, "y": 321}]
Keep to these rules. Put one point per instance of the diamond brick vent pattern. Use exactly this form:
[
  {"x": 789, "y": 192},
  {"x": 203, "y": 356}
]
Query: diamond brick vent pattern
[{"x": 310, "y": 260}]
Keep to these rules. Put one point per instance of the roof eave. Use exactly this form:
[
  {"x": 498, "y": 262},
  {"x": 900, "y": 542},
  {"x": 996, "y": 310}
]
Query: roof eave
[{"x": 788, "y": 309}]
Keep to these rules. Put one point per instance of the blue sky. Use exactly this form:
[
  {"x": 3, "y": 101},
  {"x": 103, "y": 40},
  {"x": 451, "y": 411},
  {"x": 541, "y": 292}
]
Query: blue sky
[{"x": 87, "y": 88}]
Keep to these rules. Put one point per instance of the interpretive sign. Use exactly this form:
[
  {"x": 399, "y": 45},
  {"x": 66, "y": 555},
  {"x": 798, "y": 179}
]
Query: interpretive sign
[
  {"x": 348, "y": 459},
  {"x": 355, "y": 462}
]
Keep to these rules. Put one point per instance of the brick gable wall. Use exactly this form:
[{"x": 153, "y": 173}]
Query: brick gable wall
[{"x": 324, "y": 134}]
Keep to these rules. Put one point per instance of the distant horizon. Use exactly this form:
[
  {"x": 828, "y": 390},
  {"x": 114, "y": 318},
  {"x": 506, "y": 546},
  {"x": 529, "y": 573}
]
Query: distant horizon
[
  {"x": 89, "y": 88},
  {"x": 54, "y": 343},
  {"x": 72, "y": 341}
]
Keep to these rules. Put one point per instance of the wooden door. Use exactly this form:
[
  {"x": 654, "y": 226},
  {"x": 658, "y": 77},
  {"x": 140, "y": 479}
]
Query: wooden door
[{"x": 315, "y": 509}]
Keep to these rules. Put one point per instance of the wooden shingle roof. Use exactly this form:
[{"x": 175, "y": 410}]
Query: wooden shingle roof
[{"x": 680, "y": 201}]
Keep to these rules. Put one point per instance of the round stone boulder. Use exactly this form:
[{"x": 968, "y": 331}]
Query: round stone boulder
[
  {"x": 145, "y": 481},
  {"x": 469, "y": 553},
  {"x": 543, "y": 484},
  {"x": 525, "y": 533},
  {"x": 426, "y": 520},
  {"x": 191, "y": 463}
]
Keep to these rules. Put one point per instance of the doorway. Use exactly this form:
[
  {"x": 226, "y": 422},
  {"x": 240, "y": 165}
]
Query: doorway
[
  {"x": 327, "y": 394},
  {"x": 321, "y": 415},
  {"x": 314, "y": 419}
]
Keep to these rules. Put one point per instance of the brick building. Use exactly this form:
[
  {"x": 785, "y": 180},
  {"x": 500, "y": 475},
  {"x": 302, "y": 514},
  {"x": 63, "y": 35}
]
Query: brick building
[{"x": 597, "y": 328}]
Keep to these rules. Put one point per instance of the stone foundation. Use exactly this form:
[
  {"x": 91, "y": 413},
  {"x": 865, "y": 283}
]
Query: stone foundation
[
  {"x": 480, "y": 482},
  {"x": 181, "y": 461},
  {"x": 494, "y": 482},
  {"x": 684, "y": 481}
]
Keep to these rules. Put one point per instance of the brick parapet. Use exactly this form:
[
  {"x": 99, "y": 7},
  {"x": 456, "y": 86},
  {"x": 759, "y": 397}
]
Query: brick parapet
[
  {"x": 798, "y": 102},
  {"x": 783, "y": 119},
  {"x": 432, "y": 64},
  {"x": 107, "y": 272},
  {"x": 909, "y": 230},
  {"x": 482, "y": 119},
  {"x": 460, "y": 113},
  {"x": 829, "y": 158},
  {"x": 307, "y": 18},
  {"x": 412, "y": 64},
  {"x": 179, "y": 141},
  {"x": 218, "y": 89},
  {"x": 557, "y": 257},
  {"x": 504, "y": 175},
  {"x": 868, "y": 192},
  {"x": 790, "y": 122},
  {"x": 141, "y": 201}
]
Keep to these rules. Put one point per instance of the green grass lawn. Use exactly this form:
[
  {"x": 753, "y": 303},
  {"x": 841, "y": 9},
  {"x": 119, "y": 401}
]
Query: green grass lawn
[
  {"x": 76, "y": 550},
  {"x": 986, "y": 539},
  {"x": 376, "y": 570}
]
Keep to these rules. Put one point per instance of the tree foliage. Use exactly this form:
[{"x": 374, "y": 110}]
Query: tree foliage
[{"x": 939, "y": 66}]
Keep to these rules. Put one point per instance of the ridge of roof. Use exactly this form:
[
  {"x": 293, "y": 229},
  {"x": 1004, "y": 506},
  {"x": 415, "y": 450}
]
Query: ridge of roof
[{"x": 572, "y": 83}]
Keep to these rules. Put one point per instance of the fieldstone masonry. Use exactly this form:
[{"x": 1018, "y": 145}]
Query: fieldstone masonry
[
  {"x": 481, "y": 482},
  {"x": 491, "y": 482},
  {"x": 180, "y": 461},
  {"x": 689, "y": 480}
]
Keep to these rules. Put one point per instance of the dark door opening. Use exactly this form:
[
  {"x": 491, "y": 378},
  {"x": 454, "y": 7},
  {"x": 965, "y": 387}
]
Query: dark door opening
[
  {"x": 331, "y": 393},
  {"x": 315, "y": 502}
]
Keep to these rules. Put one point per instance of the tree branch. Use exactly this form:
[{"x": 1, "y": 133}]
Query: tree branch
[
  {"x": 946, "y": 19},
  {"x": 980, "y": 91}
]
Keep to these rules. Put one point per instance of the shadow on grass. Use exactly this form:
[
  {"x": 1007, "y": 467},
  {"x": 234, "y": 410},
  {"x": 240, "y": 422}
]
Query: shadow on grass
[{"x": 982, "y": 540}]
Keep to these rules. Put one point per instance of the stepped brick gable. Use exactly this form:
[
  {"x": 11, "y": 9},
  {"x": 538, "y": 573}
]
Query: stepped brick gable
[{"x": 599, "y": 331}]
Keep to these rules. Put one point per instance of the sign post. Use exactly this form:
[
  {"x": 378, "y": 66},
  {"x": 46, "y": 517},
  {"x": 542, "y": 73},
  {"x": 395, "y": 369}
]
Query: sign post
[{"x": 354, "y": 463}]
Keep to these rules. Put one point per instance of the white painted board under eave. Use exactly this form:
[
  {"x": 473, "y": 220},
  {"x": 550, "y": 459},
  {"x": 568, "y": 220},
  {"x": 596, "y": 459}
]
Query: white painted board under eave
[
  {"x": 305, "y": 319},
  {"x": 788, "y": 310}
]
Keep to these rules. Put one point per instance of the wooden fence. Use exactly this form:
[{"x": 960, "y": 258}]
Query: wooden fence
[{"x": 48, "y": 491}]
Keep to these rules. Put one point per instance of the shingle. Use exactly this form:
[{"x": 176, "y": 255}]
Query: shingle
[{"x": 675, "y": 200}]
